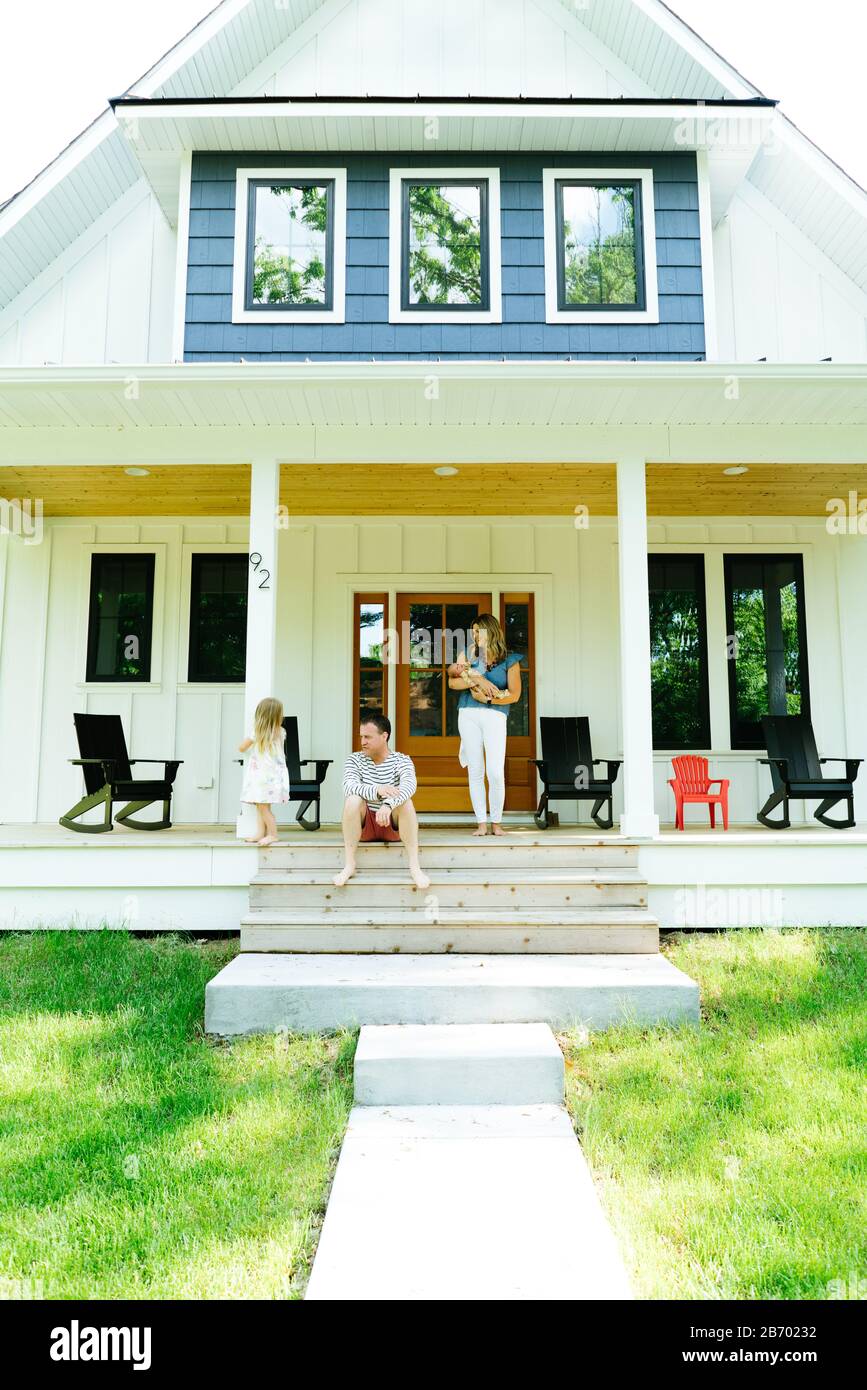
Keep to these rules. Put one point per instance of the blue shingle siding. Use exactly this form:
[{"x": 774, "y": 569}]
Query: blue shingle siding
[{"x": 211, "y": 335}]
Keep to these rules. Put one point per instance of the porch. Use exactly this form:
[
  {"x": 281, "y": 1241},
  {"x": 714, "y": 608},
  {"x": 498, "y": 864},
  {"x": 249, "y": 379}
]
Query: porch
[
  {"x": 562, "y": 482},
  {"x": 197, "y": 877}
]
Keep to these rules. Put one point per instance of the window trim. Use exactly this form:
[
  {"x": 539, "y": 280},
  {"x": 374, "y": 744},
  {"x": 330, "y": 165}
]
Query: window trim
[
  {"x": 491, "y": 248},
  {"x": 645, "y": 247},
  {"x": 697, "y": 558},
  {"x": 188, "y": 550},
  {"x": 198, "y": 553},
  {"x": 359, "y": 598},
  {"x": 245, "y": 180},
  {"x": 738, "y": 741},
  {"x": 109, "y": 552}
]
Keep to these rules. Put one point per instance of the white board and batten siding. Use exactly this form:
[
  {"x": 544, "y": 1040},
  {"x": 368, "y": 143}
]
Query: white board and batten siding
[
  {"x": 109, "y": 296},
  {"x": 444, "y": 48},
  {"x": 777, "y": 295},
  {"x": 573, "y": 575}
]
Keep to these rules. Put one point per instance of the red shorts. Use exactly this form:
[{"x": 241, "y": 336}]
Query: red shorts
[{"x": 372, "y": 831}]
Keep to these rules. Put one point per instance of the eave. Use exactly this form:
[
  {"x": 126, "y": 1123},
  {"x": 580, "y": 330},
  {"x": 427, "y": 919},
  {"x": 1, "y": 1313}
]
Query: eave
[{"x": 161, "y": 130}]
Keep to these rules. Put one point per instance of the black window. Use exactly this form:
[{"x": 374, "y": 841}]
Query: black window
[
  {"x": 678, "y": 652},
  {"x": 767, "y": 642},
  {"x": 218, "y": 617},
  {"x": 600, "y": 245},
  {"x": 445, "y": 261},
  {"x": 120, "y": 619},
  {"x": 290, "y": 243}
]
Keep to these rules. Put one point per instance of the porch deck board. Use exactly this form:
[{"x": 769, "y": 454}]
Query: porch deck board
[{"x": 51, "y": 835}]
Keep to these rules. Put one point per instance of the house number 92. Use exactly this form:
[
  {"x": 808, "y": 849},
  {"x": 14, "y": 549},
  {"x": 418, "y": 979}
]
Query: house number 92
[{"x": 264, "y": 575}]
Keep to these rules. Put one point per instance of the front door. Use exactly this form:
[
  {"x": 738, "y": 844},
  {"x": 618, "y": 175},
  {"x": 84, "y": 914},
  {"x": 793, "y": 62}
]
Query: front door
[{"x": 433, "y": 630}]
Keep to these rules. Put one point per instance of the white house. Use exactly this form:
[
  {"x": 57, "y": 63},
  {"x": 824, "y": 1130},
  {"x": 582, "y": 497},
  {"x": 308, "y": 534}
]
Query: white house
[{"x": 365, "y": 315}]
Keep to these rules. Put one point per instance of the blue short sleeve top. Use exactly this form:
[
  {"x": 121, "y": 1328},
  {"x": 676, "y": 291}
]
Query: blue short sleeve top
[{"x": 497, "y": 676}]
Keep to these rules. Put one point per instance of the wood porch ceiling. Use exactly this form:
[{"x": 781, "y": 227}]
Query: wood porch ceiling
[{"x": 509, "y": 489}]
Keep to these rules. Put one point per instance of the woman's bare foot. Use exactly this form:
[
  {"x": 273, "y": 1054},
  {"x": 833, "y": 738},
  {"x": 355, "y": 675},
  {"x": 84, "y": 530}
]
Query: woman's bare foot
[
  {"x": 341, "y": 879},
  {"x": 482, "y": 830},
  {"x": 497, "y": 828},
  {"x": 419, "y": 877},
  {"x": 268, "y": 840}
]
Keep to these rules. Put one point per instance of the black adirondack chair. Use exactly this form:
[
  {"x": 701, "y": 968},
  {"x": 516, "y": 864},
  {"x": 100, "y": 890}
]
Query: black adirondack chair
[
  {"x": 108, "y": 778},
  {"x": 567, "y": 769},
  {"x": 796, "y": 772},
  {"x": 306, "y": 791}
]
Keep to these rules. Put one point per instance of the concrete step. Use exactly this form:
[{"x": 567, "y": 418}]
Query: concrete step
[
  {"x": 462, "y": 1203},
  {"x": 517, "y": 851},
  {"x": 477, "y": 889},
  {"x": 458, "y": 1064},
  {"x": 461, "y": 939},
  {"x": 310, "y": 993}
]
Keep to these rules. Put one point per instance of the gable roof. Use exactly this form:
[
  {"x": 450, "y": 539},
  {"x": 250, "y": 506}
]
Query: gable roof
[{"x": 225, "y": 48}]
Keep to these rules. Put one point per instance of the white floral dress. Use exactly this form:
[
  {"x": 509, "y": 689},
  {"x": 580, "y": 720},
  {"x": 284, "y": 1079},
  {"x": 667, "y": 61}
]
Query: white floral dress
[{"x": 266, "y": 777}]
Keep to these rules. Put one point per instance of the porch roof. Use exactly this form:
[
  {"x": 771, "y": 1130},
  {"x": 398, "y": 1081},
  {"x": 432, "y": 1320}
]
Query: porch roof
[{"x": 420, "y": 411}]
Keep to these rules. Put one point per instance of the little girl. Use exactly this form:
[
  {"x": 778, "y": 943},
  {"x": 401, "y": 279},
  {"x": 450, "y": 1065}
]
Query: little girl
[{"x": 266, "y": 778}]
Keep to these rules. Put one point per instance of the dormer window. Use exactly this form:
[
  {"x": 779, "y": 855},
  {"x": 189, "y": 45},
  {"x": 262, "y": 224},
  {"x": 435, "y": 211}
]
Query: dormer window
[
  {"x": 600, "y": 255},
  {"x": 445, "y": 246},
  {"x": 290, "y": 246}
]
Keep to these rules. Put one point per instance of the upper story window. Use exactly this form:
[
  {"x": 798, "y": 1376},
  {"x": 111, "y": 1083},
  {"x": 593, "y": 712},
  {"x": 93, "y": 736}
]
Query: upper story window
[
  {"x": 120, "y": 617},
  {"x": 600, "y": 253},
  {"x": 290, "y": 246},
  {"x": 445, "y": 246}
]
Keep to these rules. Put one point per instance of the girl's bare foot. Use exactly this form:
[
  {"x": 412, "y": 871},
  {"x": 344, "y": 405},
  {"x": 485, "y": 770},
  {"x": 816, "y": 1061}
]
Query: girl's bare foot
[
  {"x": 341, "y": 879},
  {"x": 498, "y": 829},
  {"x": 482, "y": 830},
  {"x": 419, "y": 877}
]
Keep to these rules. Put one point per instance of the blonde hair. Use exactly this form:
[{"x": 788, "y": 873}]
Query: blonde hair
[
  {"x": 267, "y": 725},
  {"x": 495, "y": 648}
]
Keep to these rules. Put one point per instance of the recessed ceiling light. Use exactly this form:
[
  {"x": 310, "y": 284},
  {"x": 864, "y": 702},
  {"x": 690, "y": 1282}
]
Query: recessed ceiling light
[
  {"x": 445, "y": 472},
  {"x": 137, "y": 472},
  {"x": 735, "y": 472}
]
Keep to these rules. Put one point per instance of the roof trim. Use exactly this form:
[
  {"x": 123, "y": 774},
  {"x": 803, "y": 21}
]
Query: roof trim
[
  {"x": 318, "y": 97},
  {"x": 176, "y": 373}
]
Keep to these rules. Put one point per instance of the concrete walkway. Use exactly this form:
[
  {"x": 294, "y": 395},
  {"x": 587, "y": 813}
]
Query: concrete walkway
[{"x": 469, "y": 1182}]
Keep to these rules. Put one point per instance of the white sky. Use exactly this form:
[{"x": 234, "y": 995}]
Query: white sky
[{"x": 60, "y": 61}]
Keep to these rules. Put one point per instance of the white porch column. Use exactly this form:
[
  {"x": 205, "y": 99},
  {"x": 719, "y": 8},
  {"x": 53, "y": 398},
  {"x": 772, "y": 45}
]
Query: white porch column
[
  {"x": 262, "y": 590},
  {"x": 639, "y": 815}
]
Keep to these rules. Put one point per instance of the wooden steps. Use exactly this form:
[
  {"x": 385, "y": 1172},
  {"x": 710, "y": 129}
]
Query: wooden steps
[{"x": 525, "y": 894}]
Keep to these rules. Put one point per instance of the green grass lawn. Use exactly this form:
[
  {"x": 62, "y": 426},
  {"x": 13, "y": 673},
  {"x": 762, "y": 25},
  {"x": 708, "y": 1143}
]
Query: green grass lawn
[
  {"x": 137, "y": 1159},
  {"x": 732, "y": 1161},
  {"x": 140, "y": 1160}
]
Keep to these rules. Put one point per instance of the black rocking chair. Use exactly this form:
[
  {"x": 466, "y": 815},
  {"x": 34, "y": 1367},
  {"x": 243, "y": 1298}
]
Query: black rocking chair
[
  {"x": 566, "y": 769},
  {"x": 307, "y": 792},
  {"x": 108, "y": 778},
  {"x": 796, "y": 772}
]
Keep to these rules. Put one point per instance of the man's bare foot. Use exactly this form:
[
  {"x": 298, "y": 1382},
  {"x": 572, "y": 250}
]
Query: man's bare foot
[
  {"x": 482, "y": 830},
  {"x": 341, "y": 879},
  {"x": 419, "y": 877},
  {"x": 498, "y": 829}
]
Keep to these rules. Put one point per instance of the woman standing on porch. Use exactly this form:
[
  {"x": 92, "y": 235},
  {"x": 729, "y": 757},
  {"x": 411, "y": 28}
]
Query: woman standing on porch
[{"x": 488, "y": 684}]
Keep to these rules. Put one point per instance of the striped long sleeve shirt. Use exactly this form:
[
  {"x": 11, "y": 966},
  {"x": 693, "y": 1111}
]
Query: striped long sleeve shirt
[{"x": 362, "y": 777}]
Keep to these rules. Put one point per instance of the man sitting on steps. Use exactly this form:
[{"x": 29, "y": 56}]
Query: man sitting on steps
[{"x": 378, "y": 786}]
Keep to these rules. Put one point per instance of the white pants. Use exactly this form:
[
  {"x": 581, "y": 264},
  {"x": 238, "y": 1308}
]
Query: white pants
[{"x": 483, "y": 746}]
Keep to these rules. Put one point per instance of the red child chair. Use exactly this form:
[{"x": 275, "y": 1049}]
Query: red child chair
[{"x": 691, "y": 783}]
